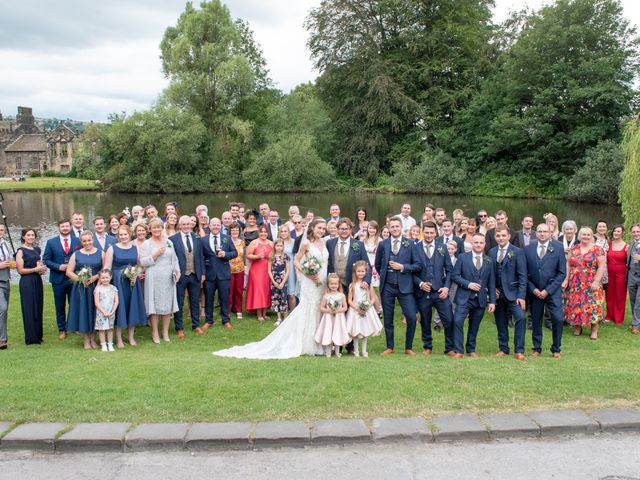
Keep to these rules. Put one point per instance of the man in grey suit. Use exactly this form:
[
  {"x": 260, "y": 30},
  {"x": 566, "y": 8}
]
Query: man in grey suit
[
  {"x": 633, "y": 278},
  {"x": 5, "y": 286}
]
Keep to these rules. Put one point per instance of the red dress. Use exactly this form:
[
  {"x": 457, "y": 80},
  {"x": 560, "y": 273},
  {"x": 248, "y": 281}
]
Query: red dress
[
  {"x": 583, "y": 306},
  {"x": 617, "y": 290},
  {"x": 258, "y": 283}
]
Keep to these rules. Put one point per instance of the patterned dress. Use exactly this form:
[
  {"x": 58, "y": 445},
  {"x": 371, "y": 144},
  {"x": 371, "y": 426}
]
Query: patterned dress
[
  {"x": 584, "y": 307},
  {"x": 279, "y": 302},
  {"x": 106, "y": 299}
]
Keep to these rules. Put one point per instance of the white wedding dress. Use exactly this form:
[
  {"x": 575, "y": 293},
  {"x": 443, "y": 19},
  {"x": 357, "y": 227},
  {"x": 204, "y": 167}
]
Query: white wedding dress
[{"x": 294, "y": 336}]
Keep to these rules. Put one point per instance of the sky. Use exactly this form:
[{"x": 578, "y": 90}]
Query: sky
[{"x": 85, "y": 59}]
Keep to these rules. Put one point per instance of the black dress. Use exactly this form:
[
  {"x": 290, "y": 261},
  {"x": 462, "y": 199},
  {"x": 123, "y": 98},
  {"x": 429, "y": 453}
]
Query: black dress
[{"x": 31, "y": 297}]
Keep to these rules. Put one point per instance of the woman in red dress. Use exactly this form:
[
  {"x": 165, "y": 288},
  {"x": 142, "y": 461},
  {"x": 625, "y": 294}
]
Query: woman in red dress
[
  {"x": 258, "y": 284},
  {"x": 585, "y": 296},
  {"x": 617, "y": 268}
]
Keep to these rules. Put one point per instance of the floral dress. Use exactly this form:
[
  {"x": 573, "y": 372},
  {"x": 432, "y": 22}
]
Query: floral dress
[
  {"x": 583, "y": 306},
  {"x": 279, "y": 302}
]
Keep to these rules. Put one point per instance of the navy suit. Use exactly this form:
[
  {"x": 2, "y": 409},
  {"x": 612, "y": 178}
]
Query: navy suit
[
  {"x": 397, "y": 284},
  {"x": 53, "y": 257},
  {"x": 218, "y": 276},
  {"x": 108, "y": 241},
  {"x": 547, "y": 274},
  {"x": 459, "y": 241},
  {"x": 490, "y": 238},
  {"x": 188, "y": 283},
  {"x": 511, "y": 282},
  {"x": 469, "y": 302},
  {"x": 437, "y": 271},
  {"x": 356, "y": 251}
]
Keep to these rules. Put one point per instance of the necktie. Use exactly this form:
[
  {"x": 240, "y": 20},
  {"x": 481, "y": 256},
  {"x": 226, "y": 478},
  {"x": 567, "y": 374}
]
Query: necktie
[
  {"x": 543, "y": 251},
  {"x": 215, "y": 243},
  {"x": 66, "y": 245},
  {"x": 478, "y": 263},
  {"x": 101, "y": 240},
  {"x": 5, "y": 254},
  {"x": 189, "y": 247},
  {"x": 341, "y": 249},
  {"x": 427, "y": 249},
  {"x": 446, "y": 240},
  {"x": 501, "y": 256},
  {"x": 396, "y": 246}
]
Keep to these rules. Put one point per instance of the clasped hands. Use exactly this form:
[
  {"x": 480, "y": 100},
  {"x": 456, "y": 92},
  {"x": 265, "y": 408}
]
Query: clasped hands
[{"x": 442, "y": 292}]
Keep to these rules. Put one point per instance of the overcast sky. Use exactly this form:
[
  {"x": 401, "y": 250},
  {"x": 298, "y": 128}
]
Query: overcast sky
[{"x": 86, "y": 59}]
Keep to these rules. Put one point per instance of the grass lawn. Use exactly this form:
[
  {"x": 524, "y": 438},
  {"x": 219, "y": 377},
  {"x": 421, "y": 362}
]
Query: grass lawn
[
  {"x": 182, "y": 381},
  {"x": 49, "y": 183}
]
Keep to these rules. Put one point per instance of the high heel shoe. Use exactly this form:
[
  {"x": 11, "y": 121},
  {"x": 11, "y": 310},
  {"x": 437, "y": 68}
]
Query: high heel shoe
[{"x": 577, "y": 331}]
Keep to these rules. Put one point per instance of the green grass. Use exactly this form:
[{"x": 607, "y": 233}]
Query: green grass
[
  {"x": 49, "y": 183},
  {"x": 182, "y": 381}
]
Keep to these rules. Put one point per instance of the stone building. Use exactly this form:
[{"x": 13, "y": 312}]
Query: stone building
[{"x": 24, "y": 147}]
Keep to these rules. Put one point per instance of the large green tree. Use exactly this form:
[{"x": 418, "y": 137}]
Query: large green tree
[
  {"x": 390, "y": 67},
  {"x": 564, "y": 85}
]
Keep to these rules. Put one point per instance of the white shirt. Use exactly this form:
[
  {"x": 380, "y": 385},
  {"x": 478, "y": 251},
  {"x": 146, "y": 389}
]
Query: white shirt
[
  {"x": 4, "y": 250},
  {"x": 101, "y": 239},
  {"x": 212, "y": 244},
  {"x": 62, "y": 237},
  {"x": 407, "y": 222},
  {"x": 274, "y": 230}
]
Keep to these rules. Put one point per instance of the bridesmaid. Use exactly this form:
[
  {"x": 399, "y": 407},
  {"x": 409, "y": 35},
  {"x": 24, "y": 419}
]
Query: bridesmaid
[
  {"x": 131, "y": 312},
  {"x": 285, "y": 235},
  {"x": 30, "y": 267},
  {"x": 237, "y": 271},
  {"x": 616, "y": 294},
  {"x": 258, "y": 284},
  {"x": 82, "y": 311}
]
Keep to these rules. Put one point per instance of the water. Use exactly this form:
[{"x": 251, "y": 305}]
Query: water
[{"x": 42, "y": 210}]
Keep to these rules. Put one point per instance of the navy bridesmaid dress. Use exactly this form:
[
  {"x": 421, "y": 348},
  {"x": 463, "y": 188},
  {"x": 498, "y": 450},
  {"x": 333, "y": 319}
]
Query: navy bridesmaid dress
[
  {"x": 82, "y": 310},
  {"x": 131, "y": 312},
  {"x": 31, "y": 297}
]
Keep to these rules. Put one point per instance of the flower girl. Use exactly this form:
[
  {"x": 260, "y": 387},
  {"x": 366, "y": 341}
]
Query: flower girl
[
  {"x": 332, "y": 330},
  {"x": 362, "y": 319},
  {"x": 105, "y": 297}
]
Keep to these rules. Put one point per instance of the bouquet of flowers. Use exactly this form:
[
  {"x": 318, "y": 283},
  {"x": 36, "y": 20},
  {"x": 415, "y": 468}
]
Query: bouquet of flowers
[
  {"x": 364, "y": 304},
  {"x": 333, "y": 304},
  {"x": 83, "y": 276},
  {"x": 311, "y": 266},
  {"x": 132, "y": 273}
]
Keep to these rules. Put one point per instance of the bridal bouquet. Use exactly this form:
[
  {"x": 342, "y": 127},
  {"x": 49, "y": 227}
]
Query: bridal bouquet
[
  {"x": 311, "y": 266},
  {"x": 132, "y": 273},
  {"x": 83, "y": 276}
]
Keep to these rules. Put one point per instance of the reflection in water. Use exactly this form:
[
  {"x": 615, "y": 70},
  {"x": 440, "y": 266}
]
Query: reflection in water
[{"x": 43, "y": 209}]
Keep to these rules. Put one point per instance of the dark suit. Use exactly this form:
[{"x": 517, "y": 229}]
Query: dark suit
[
  {"x": 511, "y": 282},
  {"x": 469, "y": 302},
  {"x": 490, "y": 237},
  {"x": 188, "y": 283},
  {"x": 218, "y": 276},
  {"x": 437, "y": 271},
  {"x": 356, "y": 251},
  {"x": 458, "y": 240},
  {"x": 519, "y": 241},
  {"x": 633, "y": 284},
  {"x": 53, "y": 257},
  {"x": 397, "y": 284},
  {"x": 75, "y": 234},
  {"x": 547, "y": 274},
  {"x": 108, "y": 241}
]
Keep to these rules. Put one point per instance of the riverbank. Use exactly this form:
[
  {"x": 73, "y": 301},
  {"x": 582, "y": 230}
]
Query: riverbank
[
  {"x": 48, "y": 183},
  {"x": 182, "y": 382}
]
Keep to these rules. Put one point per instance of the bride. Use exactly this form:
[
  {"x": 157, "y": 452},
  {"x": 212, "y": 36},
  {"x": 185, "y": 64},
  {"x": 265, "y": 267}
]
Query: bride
[{"x": 294, "y": 337}]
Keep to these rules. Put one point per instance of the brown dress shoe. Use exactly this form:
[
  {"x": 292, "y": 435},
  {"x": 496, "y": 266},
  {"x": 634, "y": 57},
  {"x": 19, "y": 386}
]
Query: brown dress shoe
[
  {"x": 180, "y": 334},
  {"x": 519, "y": 356},
  {"x": 459, "y": 355},
  {"x": 62, "y": 335},
  {"x": 426, "y": 352},
  {"x": 228, "y": 326},
  {"x": 635, "y": 330},
  {"x": 502, "y": 354},
  {"x": 199, "y": 331},
  {"x": 472, "y": 354},
  {"x": 388, "y": 351},
  {"x": 207, "y": 326},
  {"x": 409, "y": 352},
  {"x": 451, "y": 353},
  {"x": 535, "y": 354},
  {"x": 555, "y": 355}
]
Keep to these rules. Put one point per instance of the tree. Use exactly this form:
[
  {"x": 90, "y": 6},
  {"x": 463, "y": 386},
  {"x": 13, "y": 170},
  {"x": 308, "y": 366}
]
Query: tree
[
  {"x": 390, "y": 67},
  {"x": 563, "y": 86},
  {"x": 629, "y": 191}
]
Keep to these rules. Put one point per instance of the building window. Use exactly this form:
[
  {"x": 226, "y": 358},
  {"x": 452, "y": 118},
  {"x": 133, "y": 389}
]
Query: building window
[
  {"x": 18, "y": 164},
  {"x": 63, "y": 150}
]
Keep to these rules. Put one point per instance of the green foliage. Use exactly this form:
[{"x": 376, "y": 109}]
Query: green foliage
[
  {"x": 87, "y": 161},
  {"x": 510, "y": 184},
  {"x": 560, "y": 88},
  {"x": 629, "y": 188},
  {"x": 34, "y": 173},
  {"x": 598, "y": 179},
  {"x": 434, "y": 172},
  {"x": 289, "y": 164}
]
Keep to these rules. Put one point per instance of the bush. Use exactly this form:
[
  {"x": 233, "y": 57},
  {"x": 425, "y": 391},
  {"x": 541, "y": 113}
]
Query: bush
[
  {"x": 598, "y": 179},
  {"x": 514, "y": 185},
  {"x": 34, "y": 173},
  {"x": 291, "y": 164},
  {"x": 435, "y": 172}
]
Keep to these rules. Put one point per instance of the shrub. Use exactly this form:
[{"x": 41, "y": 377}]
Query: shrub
[{"x": 435, "y": 172}]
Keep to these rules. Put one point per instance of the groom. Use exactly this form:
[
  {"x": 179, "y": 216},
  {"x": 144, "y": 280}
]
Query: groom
[{"x": 396, "y": 264}]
